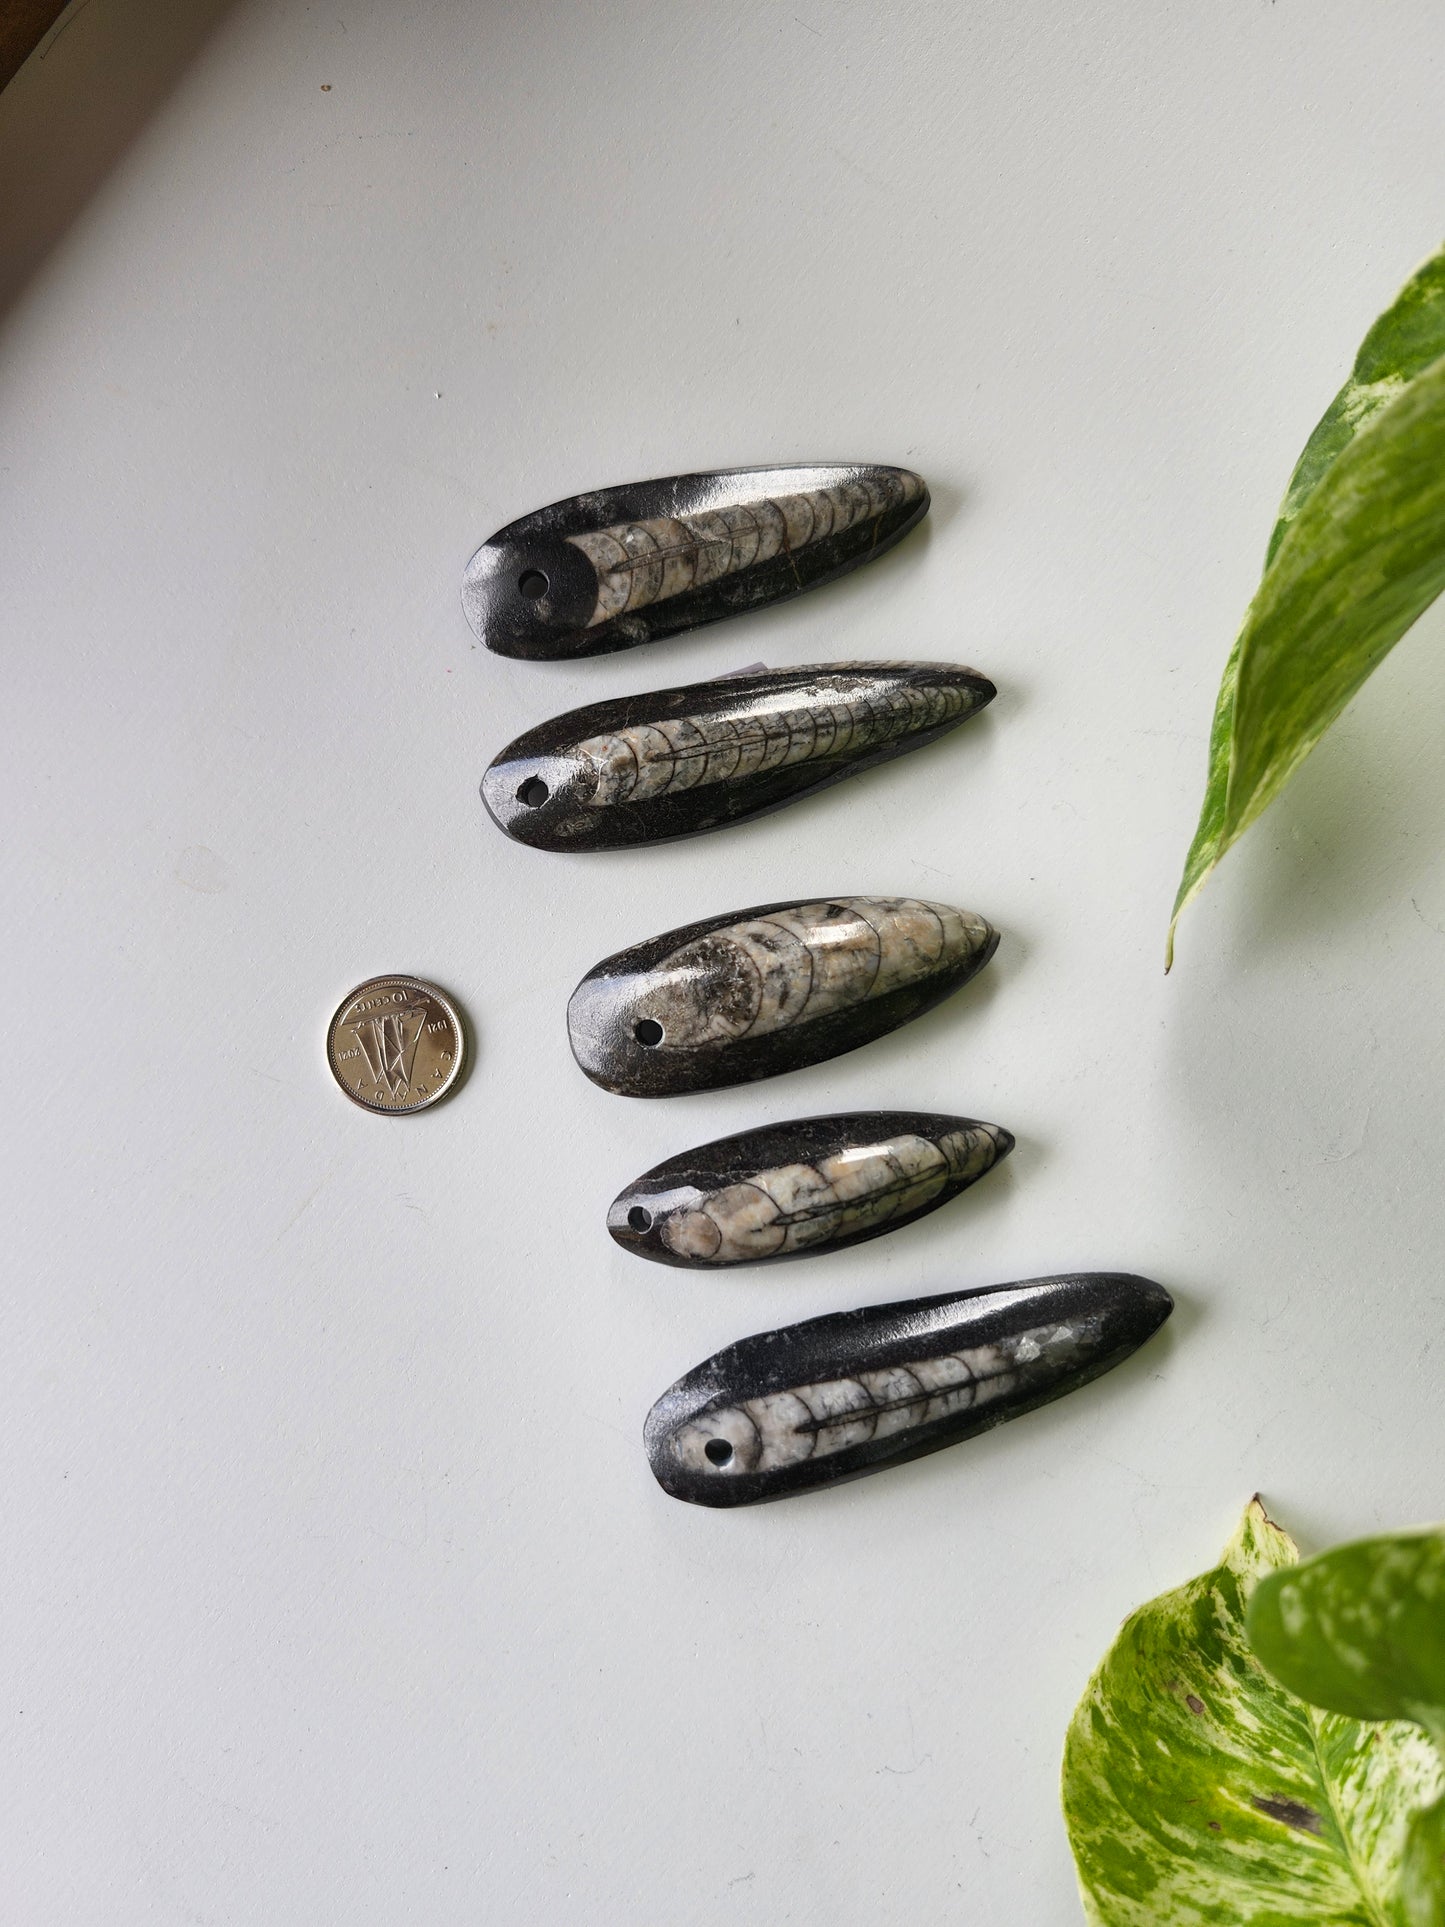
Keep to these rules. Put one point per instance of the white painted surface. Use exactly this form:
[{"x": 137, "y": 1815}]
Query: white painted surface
[{"x": 336, "y": 1587}]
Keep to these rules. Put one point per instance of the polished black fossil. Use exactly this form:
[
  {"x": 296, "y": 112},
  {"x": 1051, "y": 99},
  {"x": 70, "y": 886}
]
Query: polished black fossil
[
  {"x": 837, "y": 1397},
  {"x": 625, "y": 565},
  {"x": 815, "y": 1184},
  {"x": 643, "y": 769},
  {"x": 754, "y": 992}
]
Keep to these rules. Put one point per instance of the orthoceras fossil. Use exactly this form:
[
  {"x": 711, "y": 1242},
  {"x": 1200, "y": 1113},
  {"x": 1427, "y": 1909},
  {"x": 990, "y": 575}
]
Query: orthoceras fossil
[
  {"x": 646, "y": 768},
  {"x": 754, "y": 992},
  {"x": 626, "y": 565},
  {"x": 840, "y": 1396},
  {"x": 815, "y": 1184}
]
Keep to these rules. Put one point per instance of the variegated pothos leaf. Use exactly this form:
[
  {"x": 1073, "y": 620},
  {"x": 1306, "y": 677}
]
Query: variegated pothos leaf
[
  {"x": 1197, "y": 1790},
  {"x": 1357, "y": 554},
  {"x": 1361, "y": 1630},
  {"x": 1422, "y": 1879},
  {"x": 1408, "y": 336}
]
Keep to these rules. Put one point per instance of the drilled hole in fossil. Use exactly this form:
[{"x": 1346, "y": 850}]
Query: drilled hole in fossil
[
  {"x": 648, "y": 1032},
  {"x": 640, "y": 1218},
  {"x": 533, "y": 793},
  {"x": 718, "y": 1450},
  {"x": 532, "y": 583}
]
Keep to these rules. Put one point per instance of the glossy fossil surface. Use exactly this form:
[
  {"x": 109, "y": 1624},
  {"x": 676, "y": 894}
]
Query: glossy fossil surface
[
  {"x": 625, "y": 565},
  {"x": 815, "y": 1184},
  {"x": 643, "y": 769},
  {"x": 754, "y": 992},
  {"x": 834, "y": 1398}
]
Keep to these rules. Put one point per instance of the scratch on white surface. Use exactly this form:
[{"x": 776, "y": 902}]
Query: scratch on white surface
[
  {"x": 974, "y": 1829},
  {"x": 265, "y": 1820},
  {"x": 903, "y": 1771},
  {"x": 1336, "y": 1156},
  {"x": 383, "y": 134},
  {"x": 304, "y": 1206},
  {"x": 1123, "y": 1465},
  {"x": 401, "y": 1545},
  {"x": 840, "y": 154},
  {"x": 605, "y": 1424}
]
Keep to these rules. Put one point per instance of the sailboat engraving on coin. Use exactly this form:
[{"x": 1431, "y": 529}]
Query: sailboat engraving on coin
[{"x": 396, "y": 1044}]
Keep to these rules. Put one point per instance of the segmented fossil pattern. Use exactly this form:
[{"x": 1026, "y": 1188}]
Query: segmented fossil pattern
[
  {"x": 690, "y": 752},
  {"x": 813, "y": 1421},
  {"x": 804, "y": 962},
  {"x": 650, "y": 560},
  {"x": 794, "y": 1207}
]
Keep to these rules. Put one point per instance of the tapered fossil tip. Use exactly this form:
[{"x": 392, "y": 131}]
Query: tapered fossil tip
[{"x": 1151, "y": 1301}]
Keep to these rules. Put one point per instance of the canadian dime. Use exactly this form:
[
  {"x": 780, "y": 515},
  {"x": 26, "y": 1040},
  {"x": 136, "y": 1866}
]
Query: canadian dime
[{"x": 396, "y": 1044}]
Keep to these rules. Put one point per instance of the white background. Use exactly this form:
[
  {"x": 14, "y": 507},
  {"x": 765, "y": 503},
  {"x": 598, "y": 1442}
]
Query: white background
[{"x": 335, "y": 1586}]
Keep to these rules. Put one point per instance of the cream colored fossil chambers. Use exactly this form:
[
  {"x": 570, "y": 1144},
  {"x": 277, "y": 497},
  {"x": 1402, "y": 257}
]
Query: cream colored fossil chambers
[
  {"x": 640, "y": 562},
  {"x": 677, "y": 762},
  {"x": 816, "y": 1421},
  {"x": 638, "y": 762},
  {"x": 619, "y": 566},
  {"x": 812, "y": 1184},
  {"x": 836, "y": 1397},
  {"x": 755, "y": 992}
]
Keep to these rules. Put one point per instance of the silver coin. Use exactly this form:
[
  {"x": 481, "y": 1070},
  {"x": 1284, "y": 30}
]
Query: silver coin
[{"x": 396, "y": 1044}]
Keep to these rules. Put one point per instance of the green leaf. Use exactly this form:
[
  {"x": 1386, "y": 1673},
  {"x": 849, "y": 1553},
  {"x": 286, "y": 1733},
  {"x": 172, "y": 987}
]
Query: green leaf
[
  {"x": 1197, "y": 1790},
  {"x": 1422, "y": 1885},
  {"x": 1358, "y": 553},
  {"x": 1408, "y": 336},
  {"x": 1361, "y": 1631}
]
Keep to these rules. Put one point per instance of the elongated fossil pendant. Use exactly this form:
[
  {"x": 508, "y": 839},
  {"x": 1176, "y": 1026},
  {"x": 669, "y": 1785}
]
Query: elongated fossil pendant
[
  {"x": 643, "y": 769},
  {"x": 816, "y": 1184},
  {"x": 626, "y": 565},
  {"x": 837, "y": 1397},
  {"x": 755, "y": 992}
]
